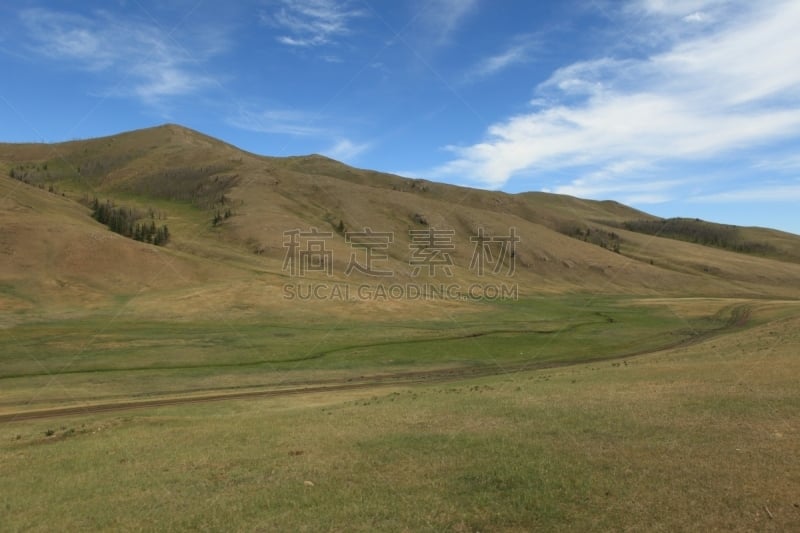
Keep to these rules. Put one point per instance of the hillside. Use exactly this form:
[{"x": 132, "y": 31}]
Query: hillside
[
  {"x": 228, "y": 212},
  {"x": 180, "y": 317}
]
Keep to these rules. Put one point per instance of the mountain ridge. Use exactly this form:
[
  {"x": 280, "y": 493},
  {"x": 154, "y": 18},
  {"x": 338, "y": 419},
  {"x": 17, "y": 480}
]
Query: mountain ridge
[{"x": 229, "y": 212}]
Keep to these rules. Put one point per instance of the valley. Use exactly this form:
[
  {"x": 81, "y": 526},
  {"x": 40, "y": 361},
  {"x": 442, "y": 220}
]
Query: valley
[{"x": 309, "y": 345}]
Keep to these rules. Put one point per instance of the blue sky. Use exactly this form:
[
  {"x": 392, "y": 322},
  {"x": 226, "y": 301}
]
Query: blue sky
[{"x": 679, "y": 108}]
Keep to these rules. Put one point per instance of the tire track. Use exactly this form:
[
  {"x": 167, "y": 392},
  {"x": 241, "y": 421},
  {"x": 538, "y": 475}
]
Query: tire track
[{"x": 739, "y": 319}]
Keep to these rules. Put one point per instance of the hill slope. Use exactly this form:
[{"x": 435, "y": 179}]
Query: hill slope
[{"x": 229, "y": 213}]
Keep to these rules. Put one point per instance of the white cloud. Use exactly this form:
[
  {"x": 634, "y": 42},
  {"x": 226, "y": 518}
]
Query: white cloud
[
  {"x": 297, "y": 123},
  {"x": 518, "y": 52},
  {"x": 434, "y": 22},
  {"x": 767, "y": 193},
  {"x": 605, "y": 183},
  {"x": 780, "y": 163},
  {"x": 161, "y": 80},
  {"x": 66, "y": 36},
  {"x": 328, "y": 58},
  {"x": 155, "y": 65},
  {"x": 733, "y": 88},
  {"x": 345, "y": 150},
  {"x": 697, "y": 16},
  {"x": 443, "y": 17},
  {"x": 677, "y": 8},
  {"x": 310, "y": 23},
  {"x": 278, "y": 121},
  {"x": 590, "y": 78}
]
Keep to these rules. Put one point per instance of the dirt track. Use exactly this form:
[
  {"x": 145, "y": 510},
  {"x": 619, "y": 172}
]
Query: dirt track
[{"x": 739, "y": 320}]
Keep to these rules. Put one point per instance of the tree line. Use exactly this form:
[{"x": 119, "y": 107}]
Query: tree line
[
  {"x": 126, "y": 222},
  {"x": 699, "y": 231},
  {"x": 609, "y": 240}
]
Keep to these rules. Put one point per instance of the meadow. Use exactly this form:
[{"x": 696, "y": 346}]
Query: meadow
[
  {"x": 700, "y": 436},
  {"x": 112, "y": 355}
]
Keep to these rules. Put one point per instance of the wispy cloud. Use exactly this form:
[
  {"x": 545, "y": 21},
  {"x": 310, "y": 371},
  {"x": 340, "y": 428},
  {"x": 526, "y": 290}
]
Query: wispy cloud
[
  {"x": 780, "y": 163},
  {"x": 722, "y": 92},
  {"x": 346, "y": 150},
  {"x": 278, "y": 121},
  {"x": 766, "y": 193},
  {"x": 66, "y": 36},
  {"x": 697, "y": 16},
  {"x": 436, "y": 21},
  {"x": 309, "y": 23},
  {"x": 152, "y": 64},
  {"x": 605, "y": 182},
  {"x": 677, "y": 8},
  {"x": 518, "y": 51},
  {"x": 447, "y": 15}
]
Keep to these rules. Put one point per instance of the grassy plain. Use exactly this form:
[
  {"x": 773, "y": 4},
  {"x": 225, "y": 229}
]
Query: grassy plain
[
  {"x": 114, "y": 355},
  {"x": 703, "y": 436}
]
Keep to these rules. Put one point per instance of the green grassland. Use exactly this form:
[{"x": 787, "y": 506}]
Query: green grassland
[
  {"x": 66, "y": 361},
  {"x": 698, "y": 437}
]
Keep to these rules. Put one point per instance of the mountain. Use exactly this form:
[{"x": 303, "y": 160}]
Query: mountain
[{"x": 230, "y": 214}]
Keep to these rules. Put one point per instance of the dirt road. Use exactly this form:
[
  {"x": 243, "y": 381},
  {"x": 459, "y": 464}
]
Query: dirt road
[{"x": 739, "y": 320}]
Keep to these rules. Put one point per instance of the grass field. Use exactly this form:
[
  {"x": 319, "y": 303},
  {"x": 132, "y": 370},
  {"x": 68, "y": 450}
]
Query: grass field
[
  {"x": 100, "y": 357},
  {"x": 698, "y": 437}
]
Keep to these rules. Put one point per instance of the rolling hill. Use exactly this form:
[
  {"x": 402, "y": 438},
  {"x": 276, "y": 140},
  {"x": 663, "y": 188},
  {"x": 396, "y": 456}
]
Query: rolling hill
[{"x": 229, "y": 211}]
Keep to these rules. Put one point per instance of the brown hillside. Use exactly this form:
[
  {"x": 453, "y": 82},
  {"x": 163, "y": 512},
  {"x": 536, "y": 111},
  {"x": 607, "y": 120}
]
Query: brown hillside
[{"x": 228, "y": 211}]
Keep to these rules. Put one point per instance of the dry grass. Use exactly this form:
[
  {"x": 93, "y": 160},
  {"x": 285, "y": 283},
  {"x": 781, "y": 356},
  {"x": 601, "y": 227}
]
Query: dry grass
[
  {"x": 55, "y": 256},
  {"x": 699, "y": 438}
]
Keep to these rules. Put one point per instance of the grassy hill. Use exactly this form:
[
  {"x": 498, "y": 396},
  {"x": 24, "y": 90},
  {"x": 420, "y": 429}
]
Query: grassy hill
[{"x": 228, "y": 211}]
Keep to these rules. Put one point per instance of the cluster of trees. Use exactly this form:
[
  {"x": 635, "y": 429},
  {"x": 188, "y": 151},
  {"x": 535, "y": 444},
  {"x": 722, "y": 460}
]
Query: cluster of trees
[
  {"x": 605, "y": 239},
  {"x": 700, "y": 232},
  {"x": 686, "y": 229},
  {"x": 85, "y": 166},
  {"x": 100, "y": 163},
  {"x": 125, "y": 221},
  {"x": 44, "y": 172},
  {"x": 35, "y": 175},
  {"x": 30, "y": 173},
  {"x": 204, "y": 186},
  {"x": 219, "y": 216}
]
